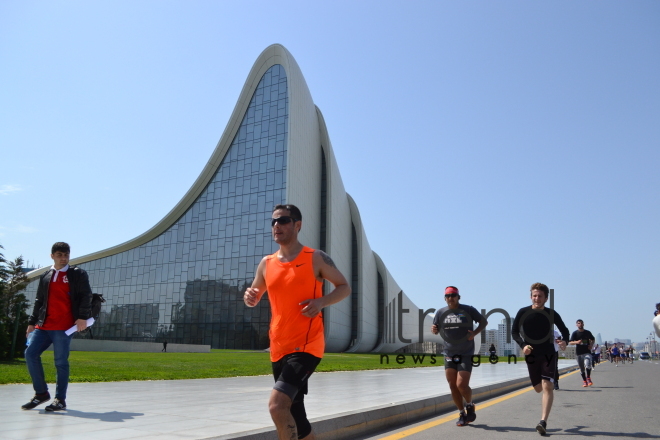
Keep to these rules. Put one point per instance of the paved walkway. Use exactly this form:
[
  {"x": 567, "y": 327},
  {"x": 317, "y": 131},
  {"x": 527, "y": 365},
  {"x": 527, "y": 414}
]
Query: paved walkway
[
  {"x": 622, "y": 404},
  {"x": 234, "y": 407}
]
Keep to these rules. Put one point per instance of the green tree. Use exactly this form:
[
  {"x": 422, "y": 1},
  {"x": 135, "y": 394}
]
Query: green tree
[{"x": 13, "y": 307}]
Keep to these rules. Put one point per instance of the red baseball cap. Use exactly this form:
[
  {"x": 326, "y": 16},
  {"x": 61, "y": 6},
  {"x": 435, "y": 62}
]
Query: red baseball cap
[{"x": 451, "y": 289}]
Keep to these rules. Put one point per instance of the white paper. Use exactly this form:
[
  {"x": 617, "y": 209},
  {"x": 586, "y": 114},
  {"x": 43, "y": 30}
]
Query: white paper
[{"x": 74, "y": 329}]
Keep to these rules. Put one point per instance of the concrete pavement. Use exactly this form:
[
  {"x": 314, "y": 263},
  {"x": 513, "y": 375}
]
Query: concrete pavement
[
  {"x": 622, "y": 403},
  {"x": 340, "y": 405}
]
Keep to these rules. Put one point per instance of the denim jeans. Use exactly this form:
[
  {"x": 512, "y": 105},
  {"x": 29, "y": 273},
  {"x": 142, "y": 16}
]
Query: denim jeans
[{"x": 41, "y": 340}]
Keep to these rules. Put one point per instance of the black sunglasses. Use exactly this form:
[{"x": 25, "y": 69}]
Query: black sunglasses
[
  {"x": 451, "y": 295},
  {"x": 282, "y": 220}
]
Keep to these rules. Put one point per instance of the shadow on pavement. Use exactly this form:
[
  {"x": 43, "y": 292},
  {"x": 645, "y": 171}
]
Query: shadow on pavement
[
  {"x": 578, "y": 430},
  {"x": 112, "y": 416},
  {"x": 614, "y": 387},
  {"x": 566, "y": 390},
  {"x": 510, "y": 428}
]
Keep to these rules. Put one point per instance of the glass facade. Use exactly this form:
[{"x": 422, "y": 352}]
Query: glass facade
[{"x": 186, "y": 286}]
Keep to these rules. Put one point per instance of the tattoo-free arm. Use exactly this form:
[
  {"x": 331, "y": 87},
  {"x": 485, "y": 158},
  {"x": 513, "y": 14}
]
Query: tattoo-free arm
[
  {"x": 254, "y": 293},
  {"x": 482, "y": 325}
]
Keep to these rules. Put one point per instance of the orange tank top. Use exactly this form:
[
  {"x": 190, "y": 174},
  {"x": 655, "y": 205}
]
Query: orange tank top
[{"x": 289, "y": 284}]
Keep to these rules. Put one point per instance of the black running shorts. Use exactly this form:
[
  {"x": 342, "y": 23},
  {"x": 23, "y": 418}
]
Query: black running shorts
[
  {"x": 460, "y": 362},
  {"x": 292, "y": 371},
  {"x": 541, "y": 367}
]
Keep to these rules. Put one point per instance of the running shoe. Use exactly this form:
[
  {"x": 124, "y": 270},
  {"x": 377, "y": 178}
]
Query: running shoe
[
  {"x": 585, "y": 384},
  {"x": 462, "y": 419},
  {"x": 471, "y": 414},
  {"x": 589, "y": 382},
  {"x": 37, "y": 400},
  {"x": 57, "y": 405},
  {"x": 541, "y": 427},
  {"x": 556, "y": 386}
]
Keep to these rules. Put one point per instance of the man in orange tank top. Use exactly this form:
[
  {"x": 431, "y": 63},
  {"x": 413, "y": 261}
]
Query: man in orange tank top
[{"x": 293, "y": 277}]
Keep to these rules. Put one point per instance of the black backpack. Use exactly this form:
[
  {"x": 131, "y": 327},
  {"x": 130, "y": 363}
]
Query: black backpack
[{"x": 97, "y": 302}]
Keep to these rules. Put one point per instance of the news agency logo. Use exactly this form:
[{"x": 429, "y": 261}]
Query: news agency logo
[{"x": 418, "y": 359}]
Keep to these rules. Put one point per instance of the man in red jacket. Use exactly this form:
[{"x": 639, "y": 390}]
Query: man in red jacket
[{"x": 64, "y": 300}]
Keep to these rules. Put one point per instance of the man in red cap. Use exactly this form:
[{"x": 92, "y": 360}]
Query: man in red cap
[{"x": 455, "y": 325}]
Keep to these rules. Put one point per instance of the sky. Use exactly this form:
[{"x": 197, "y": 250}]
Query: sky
[{"x": 487, "y": 145}]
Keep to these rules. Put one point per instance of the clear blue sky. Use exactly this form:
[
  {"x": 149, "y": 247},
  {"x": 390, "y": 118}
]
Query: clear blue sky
[{"x": 488, "y": 145}]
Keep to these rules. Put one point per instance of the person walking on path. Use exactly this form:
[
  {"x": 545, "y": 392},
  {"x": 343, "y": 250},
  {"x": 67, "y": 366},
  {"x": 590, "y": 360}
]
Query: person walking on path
[
  {"x": 533, "y": 330},
  {"x": 293, "y": 277},
  {"x": 64, "y": 299},
  {"x": 583, "y": 340},
  {"x": 164, "y": 347},
  {"x": 455, "y": 324}
]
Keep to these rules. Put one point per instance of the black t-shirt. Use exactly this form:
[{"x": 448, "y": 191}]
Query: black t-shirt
[
  {"x": 536, "y": 328},
  {"x": 586, "y": 338}
]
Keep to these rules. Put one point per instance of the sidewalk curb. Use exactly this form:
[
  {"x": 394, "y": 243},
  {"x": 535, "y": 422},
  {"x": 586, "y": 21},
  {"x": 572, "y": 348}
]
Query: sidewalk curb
[{"x": 348, "y": 425}]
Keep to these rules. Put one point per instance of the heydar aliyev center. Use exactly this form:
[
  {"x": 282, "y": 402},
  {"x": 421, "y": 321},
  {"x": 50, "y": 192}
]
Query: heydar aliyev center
[{"x": 183, "y": 280}]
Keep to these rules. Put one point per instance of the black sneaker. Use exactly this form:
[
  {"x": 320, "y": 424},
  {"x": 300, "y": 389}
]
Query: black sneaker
[
  {"x": 471, "y": 415},
  {"x": 462, "y": 419},
  {"x": 37, "y": 400},
  {"x": 57, "y": 405},
  {"x": 541, "y": 427}
]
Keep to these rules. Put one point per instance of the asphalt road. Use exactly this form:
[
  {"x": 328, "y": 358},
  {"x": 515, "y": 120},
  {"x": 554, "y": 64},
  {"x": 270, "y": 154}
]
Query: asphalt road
[{"x": 624, "y": 402}]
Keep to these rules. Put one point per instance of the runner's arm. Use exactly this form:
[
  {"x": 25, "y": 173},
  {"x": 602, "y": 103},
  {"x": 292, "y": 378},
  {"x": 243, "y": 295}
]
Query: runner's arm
[
  {"x": 477, "y": 317},
  {"x": 562, "y": 329},
  {"x": 515, "y": 329},
  {"x": 325, "y": 268},
  {"x": 482, "y": 325},
  {"x": 254, "y": 293}
]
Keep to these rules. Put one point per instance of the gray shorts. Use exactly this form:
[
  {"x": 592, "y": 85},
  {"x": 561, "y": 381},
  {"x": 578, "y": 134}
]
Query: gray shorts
[{"x": 459, "y": 362}]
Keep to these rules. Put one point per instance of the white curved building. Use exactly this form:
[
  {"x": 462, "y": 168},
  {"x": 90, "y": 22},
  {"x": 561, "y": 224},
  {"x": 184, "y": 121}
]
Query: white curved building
[{"x": 183, "y": 279}]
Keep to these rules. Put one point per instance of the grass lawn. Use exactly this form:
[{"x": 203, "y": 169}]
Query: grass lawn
[{"x": 95, "y": 366}]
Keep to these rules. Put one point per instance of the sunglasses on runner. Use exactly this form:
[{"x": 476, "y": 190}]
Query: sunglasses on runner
[
  {"x": 451, "y": 295},
  {"x": 282, "y": 220}
]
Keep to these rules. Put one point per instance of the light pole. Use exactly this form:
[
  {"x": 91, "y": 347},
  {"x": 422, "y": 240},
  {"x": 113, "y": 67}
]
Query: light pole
[{"x": 652, "y": 346}]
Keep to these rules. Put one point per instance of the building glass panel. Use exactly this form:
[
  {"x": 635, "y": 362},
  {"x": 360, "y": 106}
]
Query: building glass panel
[{"x": 186, "y": 285}]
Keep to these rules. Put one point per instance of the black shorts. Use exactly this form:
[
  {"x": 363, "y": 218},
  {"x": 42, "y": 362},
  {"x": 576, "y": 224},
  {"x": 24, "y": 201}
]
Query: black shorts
[
  {"x": 542, "y": 366},
  {"x": 459, "y": 362},
  {"x": 291, "y": 373}
]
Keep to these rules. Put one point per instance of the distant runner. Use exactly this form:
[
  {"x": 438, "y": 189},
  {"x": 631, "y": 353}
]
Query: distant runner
[
  {"x": 583, "y": 340},
  {"x": 596, "y": 355},
  {"x": 615, "y": 355},
  {"x": 557, "y": 338}
]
